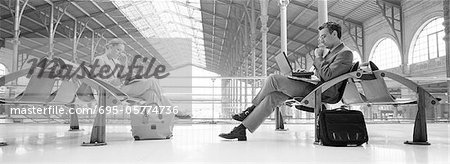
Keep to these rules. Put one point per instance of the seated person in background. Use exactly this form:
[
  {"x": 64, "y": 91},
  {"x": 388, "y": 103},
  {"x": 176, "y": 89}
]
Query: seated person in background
[
  {"x": 279, "y": 88},
  {"x": 139, "y": 88}
]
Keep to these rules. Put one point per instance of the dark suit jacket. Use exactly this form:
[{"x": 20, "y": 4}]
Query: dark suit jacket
[{"x": 336, "y": 63}]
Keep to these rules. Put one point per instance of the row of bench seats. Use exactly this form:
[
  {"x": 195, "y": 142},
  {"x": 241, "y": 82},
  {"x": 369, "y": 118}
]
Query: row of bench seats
[
  {"x": 75, "y": 91},
  {"x": 374, "y": 91},
  {"x": 40, "y": 91}
]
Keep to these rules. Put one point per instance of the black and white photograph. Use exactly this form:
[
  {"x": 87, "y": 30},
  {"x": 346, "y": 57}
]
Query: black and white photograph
[{"x": 225, "y": 81}]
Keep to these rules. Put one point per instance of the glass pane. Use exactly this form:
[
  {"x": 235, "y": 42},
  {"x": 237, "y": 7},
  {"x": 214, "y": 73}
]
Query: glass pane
[
  {"x": 426, "y": 45},
  {"x": 169, "y": 19},
  {"x": 441, "y": 43},
  {"x": 432, "y": 46},
  {"x": 386, "y": 54}
]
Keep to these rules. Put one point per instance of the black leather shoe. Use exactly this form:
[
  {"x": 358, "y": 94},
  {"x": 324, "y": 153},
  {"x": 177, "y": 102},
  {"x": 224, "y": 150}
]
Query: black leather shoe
[
  {"x": 241, "y": 116},
  {"x": 237, "y": 132}
]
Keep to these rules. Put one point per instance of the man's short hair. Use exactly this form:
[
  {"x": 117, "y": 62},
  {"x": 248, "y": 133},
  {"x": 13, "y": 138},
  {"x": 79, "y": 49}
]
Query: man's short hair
[
  {"x": 332, "y": 26},
  {"x": 114, "y": 42}
]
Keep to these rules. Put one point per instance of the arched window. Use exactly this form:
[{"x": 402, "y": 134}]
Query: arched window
[
  {"x": 429, "y": 43},
  {"x": 386, "y": 54}
]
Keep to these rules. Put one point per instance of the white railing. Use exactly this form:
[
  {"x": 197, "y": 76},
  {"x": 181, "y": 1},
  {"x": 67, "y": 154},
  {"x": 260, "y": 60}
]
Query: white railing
[{"x": 213, "y": 105}]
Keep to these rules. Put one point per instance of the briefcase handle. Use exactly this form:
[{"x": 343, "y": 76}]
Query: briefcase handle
[{"x": 342, "y": 108}]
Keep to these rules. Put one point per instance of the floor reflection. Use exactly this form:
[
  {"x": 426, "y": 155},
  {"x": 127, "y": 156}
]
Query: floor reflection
[{"x": 199, "y": 143}]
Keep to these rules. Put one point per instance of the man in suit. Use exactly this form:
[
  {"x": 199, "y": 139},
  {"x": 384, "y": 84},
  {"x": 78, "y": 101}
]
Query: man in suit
[{"x": 279, "y": 88}]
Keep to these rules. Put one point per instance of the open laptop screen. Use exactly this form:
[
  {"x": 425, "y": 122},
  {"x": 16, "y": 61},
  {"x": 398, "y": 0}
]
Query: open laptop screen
[{"x": 283, "y": 64}]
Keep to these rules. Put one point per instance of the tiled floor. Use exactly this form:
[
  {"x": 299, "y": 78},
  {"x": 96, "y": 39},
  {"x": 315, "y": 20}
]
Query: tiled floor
[{"x": 32, "y": 143}]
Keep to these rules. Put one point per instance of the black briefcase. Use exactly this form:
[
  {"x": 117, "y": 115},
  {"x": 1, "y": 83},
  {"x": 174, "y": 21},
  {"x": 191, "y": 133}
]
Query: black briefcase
[{"x": 342, "y": 127}]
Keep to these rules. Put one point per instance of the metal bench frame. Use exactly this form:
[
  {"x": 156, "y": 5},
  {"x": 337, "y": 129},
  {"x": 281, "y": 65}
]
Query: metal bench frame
[
  {"x": 67, "y": 95},
  {"x": 380, "y": 96}
]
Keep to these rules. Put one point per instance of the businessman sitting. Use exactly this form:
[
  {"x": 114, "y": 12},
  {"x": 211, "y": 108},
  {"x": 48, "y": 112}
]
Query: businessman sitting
[{"x": 279, "y": 88}]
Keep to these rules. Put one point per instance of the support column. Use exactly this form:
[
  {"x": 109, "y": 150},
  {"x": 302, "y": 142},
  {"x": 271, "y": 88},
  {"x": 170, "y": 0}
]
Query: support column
[
  {"x": 16, "y": 36},
  {"x": 74, "y": 125},
  {"x": 420, "y": 135},
  {"x": 236, "y": 92},
  {"x": 283, "y": 24},
  {"x": 212, "y": 113},
  {"x": 224, "y": 98},
  {"x": 240, "y": 89},
  {"x": 323, "y": 17},
  {"x": 279, "y": 126},
  {"x": 253, "y": 40},
  {"x": 246, "y": 82},
  {"x": 246, "y": 62},
  {"x": 93, "y": 47},
  {"x": 75, "y": 38},
  {"x": 54, "y": 22},
  {"x": 322, "y": 11},
  {"x": 17, "y": 18},
  {"x": 447, "y": 43},
  {"x": 51, "y": 36},
  {"x": 230, "y": 92},
  {"x": 98, "y": 133},
  {"x": 230, "y": 106},
  {"x": 227, "y": 95},
  {"x": 231, "y": 95},
  {"x": 264, "y": 29},
  {"x": 317, "y": 110},
  {"x": 15, "y": 48}
]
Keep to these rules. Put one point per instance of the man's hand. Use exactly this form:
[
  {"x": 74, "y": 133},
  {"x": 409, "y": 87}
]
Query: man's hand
[{"x": 319, "y": 52}]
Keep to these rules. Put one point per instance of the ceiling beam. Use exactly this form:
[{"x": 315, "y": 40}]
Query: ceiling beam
[
  {"x": 197, "y": 29},
  {"x": 314, "y": 8},
  {"x": 33, "y": 9},
  {"x": 93, "y": 15},
  {"x": 272, "y": 17},
  {"x": 269, "y": 32},
  {"x": 155, "y": 53}
]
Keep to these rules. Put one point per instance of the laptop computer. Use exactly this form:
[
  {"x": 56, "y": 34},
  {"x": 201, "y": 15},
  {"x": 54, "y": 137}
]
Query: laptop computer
[{"x": 286, "y": 68}]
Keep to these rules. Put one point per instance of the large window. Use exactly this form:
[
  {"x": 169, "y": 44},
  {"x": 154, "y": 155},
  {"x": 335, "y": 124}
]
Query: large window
[
  {"x": 429, "y": 43},
  {"x": 386, "y": 54}
]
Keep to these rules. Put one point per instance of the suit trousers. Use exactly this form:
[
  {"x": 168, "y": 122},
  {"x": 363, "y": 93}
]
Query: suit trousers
[{"x": 276, "y": 89}]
